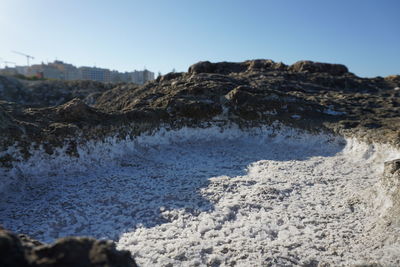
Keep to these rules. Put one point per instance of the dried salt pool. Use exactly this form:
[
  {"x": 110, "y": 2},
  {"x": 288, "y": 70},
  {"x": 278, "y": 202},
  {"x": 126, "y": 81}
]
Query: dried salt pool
[{"x": 210, "y": 197}]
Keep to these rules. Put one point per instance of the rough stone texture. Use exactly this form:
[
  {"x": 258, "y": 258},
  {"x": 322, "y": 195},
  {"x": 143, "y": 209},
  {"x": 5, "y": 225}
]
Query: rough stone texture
[
  {"x": 310, "y": 95},
  {"x": 391, "y": 185},
  {"x": 11, "y": 250},
  {"x": 11, "y": 89},
  {"x": 71, "y": 251},
  {"x": 231, "y": 67},
  {"x": 315, "y": 67},
  {"x": 49, "y": 93}
]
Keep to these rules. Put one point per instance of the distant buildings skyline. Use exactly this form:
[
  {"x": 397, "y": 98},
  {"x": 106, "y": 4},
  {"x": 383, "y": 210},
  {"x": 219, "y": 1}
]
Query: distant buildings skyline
[{"x": 64, "y": 71}]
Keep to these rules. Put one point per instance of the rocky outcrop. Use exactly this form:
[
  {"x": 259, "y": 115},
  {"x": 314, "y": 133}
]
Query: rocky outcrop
[
  {"x": 20, "y": 250},
  {"x": 393, "y": 80},
  {"x": 220, "y": 68},
  {"x": 308, "y": 95},
  {"x": 316, "y": 67},
  {"x": 267, "y": 65},
  {"x": 231, "y": 67}
]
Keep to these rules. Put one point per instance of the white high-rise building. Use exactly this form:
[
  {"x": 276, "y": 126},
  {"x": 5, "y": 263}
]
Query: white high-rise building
[{"x": 63, "y": 71}]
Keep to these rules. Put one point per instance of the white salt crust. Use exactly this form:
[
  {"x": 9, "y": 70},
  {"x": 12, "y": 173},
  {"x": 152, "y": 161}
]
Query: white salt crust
[{"x": 192, "y": 197}]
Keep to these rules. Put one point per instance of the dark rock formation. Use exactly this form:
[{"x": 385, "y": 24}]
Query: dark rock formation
[
  {"x": 231, "y": 67},
  {"x": 315, "y": 67},
  {"x": 12, "y": 252},
  {"x": 71, "y": 251},
  {"x": 49, "y": 93},
  {"x": 309, "y": 95},
  {"x": 220, "y": 68},
  {"x": 11, "y": 89}
]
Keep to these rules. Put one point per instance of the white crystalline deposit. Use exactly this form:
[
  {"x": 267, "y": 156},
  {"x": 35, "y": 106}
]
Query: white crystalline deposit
[
  {"x": 210, "y": 197},
  {"x": 110, "y": 151},
  {"x": 333, "y": 112}
]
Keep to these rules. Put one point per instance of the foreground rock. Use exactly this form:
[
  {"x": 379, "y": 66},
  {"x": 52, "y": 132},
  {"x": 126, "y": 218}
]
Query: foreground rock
[{"x": 71, "y": 251}]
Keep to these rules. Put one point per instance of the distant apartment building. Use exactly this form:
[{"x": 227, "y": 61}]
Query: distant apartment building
[
  {"x": 95, "y": 74},
  {"x": 8, "y": 71},
  {"x": 23, "y": 70},
  {"x": 148, "y": 75},
  {"x": 70, "y": 72},
  {"x": 118, "y": 77},
  {"x": 45, "y": 71},
  {"x": 63, "y": 71},
  {"x": 140, "y": 77}
]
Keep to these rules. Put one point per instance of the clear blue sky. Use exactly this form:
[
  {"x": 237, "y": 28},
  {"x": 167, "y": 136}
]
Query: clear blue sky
[{"x": 162, "y": 35}]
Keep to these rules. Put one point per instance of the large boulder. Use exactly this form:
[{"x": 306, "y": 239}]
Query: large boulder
[
  {"x": 236, "y": 67},
  {"x": 265, "y": 65},
  {"x": 12, "y": 252},
  {"x": 316, "y": 67},
  {"x": 21, "y": 251},
  {"x": 201, "y": 67},
  {"x": 220, "y": 68},
  {"x": 80, "y": 251}
]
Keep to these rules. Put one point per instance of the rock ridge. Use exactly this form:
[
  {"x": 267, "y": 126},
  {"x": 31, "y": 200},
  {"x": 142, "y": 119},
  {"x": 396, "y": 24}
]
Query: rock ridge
[{"x": 309, "y": 95}]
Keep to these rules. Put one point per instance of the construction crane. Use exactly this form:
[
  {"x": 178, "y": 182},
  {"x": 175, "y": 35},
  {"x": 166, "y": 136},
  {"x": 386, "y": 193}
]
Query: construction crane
[{"x": 25, "y": 55}]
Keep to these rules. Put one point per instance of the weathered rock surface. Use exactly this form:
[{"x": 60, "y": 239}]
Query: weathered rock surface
[
  {"x": 315, "y": 67},
  {"x": 20, "y": 250},
  {"x": 308, "y": 95},
  {"x": 390, "y": 182},
  {"x": 49, "y": 93}
]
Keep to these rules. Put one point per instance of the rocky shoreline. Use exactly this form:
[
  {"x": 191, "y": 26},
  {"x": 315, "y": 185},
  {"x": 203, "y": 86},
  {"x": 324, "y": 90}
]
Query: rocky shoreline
[
  {"x": 314, "y": 97},
  {"x": 307, "y": 95}
]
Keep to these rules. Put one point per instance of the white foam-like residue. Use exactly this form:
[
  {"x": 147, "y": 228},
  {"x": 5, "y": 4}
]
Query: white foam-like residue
[
  {"x": 330, "y": 111},
  {"x": 296, "y": 117},
  {"x": 111, "y": 150},
  {"x": 333, "y": 112},
  {"x": 268, "y": 196},
  {"x": 373, "y": 154}
]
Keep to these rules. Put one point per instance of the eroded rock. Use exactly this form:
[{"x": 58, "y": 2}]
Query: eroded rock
[
  {"x": 312, "y": 67},
  {"x": 12, "y": 252},
  {"x": 71, "y": 251},
  {"x": 310, "y": 95}
]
